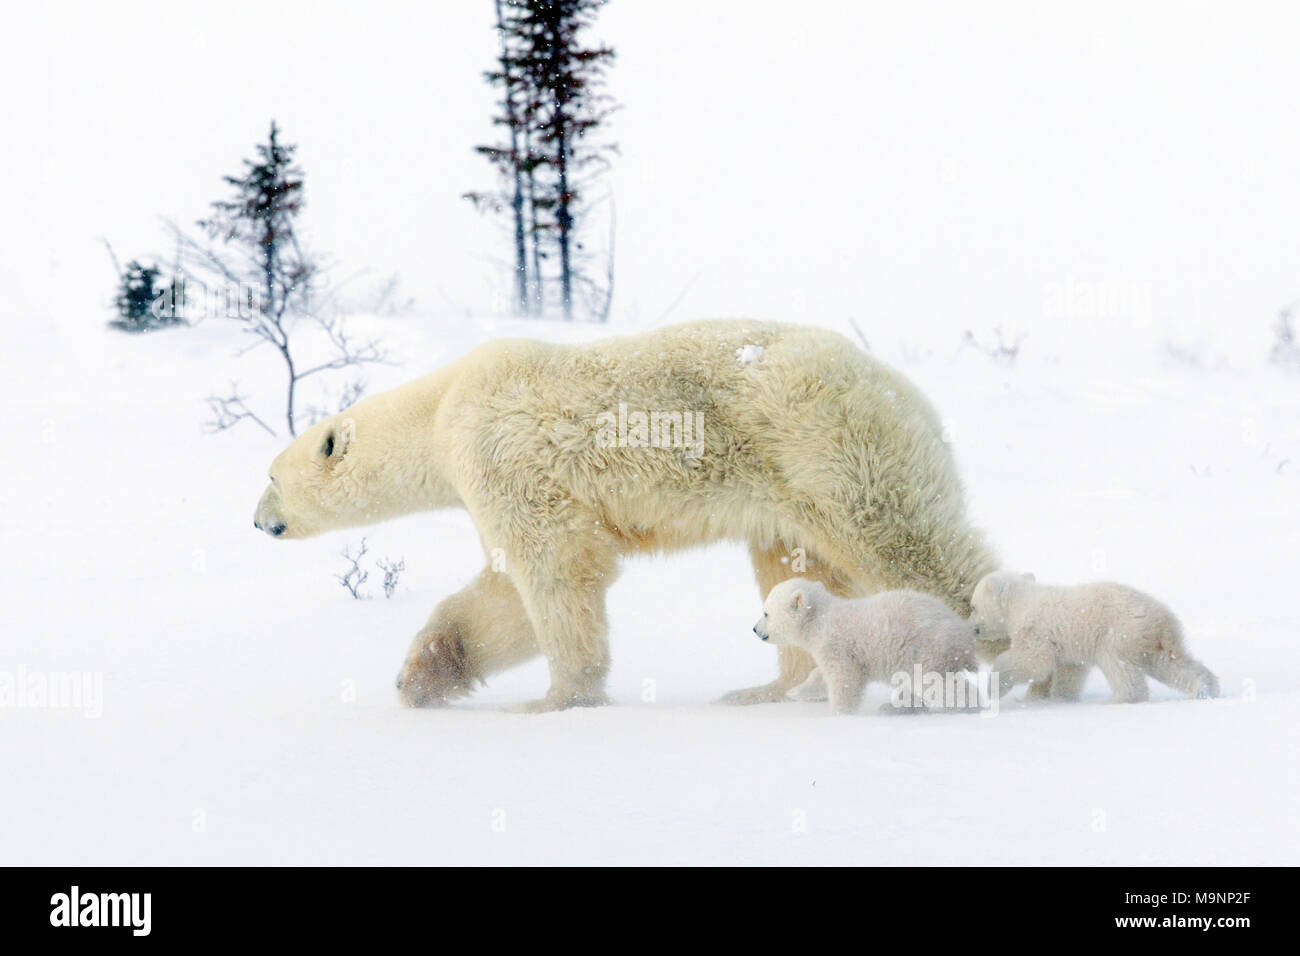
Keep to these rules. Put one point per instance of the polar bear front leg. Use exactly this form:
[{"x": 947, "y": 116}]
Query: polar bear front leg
[
  {"x": 480, "y": 630},
  {"x": 436, "y": 668},
  {"x": 572, "y": 632},
  {"x": 563, "y": 590}
]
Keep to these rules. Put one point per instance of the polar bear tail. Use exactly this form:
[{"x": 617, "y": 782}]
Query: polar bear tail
[{"x": 1183, "y": 673}]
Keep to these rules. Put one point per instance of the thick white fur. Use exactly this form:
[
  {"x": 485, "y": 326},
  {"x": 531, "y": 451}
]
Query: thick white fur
[
  {"x": 1067, "y": 630},
  {"x": 808, "y": 443},
  {"x": 855, "y": 642}
]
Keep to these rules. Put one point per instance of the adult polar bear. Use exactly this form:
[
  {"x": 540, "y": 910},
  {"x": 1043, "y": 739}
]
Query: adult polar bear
[{"x": 804, "y": 442}]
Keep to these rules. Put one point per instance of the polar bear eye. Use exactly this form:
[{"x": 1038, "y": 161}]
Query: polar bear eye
[{"x": 327, "y": 449}]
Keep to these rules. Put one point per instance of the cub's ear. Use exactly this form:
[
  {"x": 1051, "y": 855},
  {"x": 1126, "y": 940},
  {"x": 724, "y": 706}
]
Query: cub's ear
[
  {"x": 797, "y": 600},
  {"x": 337, "y": 439}
]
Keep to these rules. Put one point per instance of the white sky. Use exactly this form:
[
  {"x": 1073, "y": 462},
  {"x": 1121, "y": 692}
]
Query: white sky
[{"x": 910, "y": 163}]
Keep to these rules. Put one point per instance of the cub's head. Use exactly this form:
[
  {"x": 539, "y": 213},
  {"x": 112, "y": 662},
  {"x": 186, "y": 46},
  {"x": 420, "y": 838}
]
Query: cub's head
[
  {"x": 790, "y": 607},
  {"x": 325, "y": 480},
  {"x": 989, "y": 603}
]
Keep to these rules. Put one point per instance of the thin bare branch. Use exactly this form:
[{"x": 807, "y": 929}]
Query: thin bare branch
[{"x": 229, "y": 410}]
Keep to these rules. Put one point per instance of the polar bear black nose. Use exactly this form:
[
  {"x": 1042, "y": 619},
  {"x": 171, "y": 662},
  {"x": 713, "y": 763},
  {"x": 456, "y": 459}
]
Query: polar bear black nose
[{"x": 277, "y": 530}]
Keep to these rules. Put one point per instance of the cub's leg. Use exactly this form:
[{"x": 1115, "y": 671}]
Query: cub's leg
[
  {"x": 1020, "y": 664},
  {"x": 1127, "y": 682},
  {"x": 1040, "y": 689},
  {"x": 813, "y": 689},
  {"x": 1183, "y": 673},
  {"x": 844, "y": 686},
  {"x": 771, "y": 567},
  {"x": 1067, "y": 683}
]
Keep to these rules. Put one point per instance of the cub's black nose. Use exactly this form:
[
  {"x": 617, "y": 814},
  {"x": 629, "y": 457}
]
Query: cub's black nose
[{"x": 277, "y": 530}]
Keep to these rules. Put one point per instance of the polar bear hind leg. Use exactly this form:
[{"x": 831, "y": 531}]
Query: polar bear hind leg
[{"x": 1183, "y": 673}]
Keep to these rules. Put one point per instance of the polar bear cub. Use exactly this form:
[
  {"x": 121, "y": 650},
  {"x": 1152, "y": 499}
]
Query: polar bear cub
[
  {"x": 1055, "y": 631},
  {"x": 855, "y": 642}
]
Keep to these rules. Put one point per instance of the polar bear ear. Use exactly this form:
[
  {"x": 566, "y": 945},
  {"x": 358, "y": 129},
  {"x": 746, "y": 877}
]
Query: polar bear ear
[
  {"x": 336, "y": 441},
  {"x": 797, "y": 600}
]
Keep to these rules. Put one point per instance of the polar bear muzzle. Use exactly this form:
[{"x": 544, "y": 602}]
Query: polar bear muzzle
[{"x": 268, "y": 516}]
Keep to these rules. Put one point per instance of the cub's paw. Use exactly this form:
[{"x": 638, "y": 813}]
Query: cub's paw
[
  {"x": 890, "y": 709},
  {"x": 772, "y": 693},
  {"x": 812, "y": 689},
  {"x": 554, "y": 702}
]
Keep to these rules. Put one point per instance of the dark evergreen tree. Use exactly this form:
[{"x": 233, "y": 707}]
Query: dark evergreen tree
[
  {"x": 511, "y": 158},
  {"x": 259, "y": 221},
  {"x": 137, "y": 292},
  {"x": 143, "y": 304},
  {"x": 566, "y": 77},
  {"x": 551, "y": 103}
]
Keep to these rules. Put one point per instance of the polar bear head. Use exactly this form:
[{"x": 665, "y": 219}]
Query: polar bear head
[
  {"x": 319, "y": 483},
  {"x": 367, "y": 464},
  {"x": 789, "y": 610},
  {"x": 990, "y": 602}
]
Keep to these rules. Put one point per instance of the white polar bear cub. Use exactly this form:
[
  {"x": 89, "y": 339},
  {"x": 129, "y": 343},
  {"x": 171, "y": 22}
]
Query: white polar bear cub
[
  {"x": 855, "y": 642},
  {"x": 1057, "y": 632}
]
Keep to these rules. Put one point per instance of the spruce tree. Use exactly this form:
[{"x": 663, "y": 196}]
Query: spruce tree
[
  {"x": 551, "y": 102},
  {"x": 137, "y": 292},
  {"x": 259, "y": 221},
  {"x": 260, "y": 218},
  {"x": 566, "y": 78}
]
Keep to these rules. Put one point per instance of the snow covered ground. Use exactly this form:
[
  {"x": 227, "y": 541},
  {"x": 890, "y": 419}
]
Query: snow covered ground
[
  {"x": 248, "y": 713},
  {"x": 1118, "y": 182}
]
